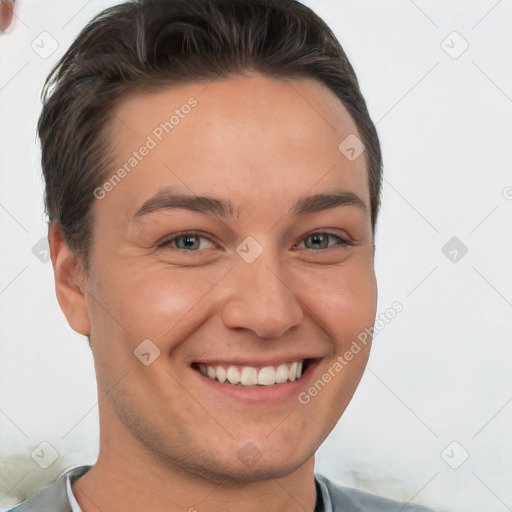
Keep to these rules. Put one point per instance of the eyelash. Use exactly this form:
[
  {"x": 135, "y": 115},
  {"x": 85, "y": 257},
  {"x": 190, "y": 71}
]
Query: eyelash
[
  {"x": 341, "y": 241},
  {"x": 168, "y": 241}
]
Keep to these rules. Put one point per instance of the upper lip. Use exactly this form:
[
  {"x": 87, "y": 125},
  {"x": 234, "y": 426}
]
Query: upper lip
[{"x": 257, "y": 363}]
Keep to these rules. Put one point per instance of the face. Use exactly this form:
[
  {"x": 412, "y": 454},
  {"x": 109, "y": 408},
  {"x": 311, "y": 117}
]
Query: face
[{"x": 238, "y": 245}]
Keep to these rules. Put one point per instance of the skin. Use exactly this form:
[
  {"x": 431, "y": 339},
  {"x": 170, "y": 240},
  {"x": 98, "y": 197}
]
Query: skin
[{"x": 168, "y": 441}]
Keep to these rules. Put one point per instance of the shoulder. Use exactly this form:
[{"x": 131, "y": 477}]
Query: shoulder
[
  {"x": 352, "y": 500},
  {"x": 54, "y": 497}
]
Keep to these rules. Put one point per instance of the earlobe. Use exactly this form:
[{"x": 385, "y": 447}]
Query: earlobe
[{"x": 69, "y": 281}]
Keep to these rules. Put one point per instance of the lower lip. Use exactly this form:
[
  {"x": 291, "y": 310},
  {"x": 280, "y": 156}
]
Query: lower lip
[{"x": 275, "y": 394}]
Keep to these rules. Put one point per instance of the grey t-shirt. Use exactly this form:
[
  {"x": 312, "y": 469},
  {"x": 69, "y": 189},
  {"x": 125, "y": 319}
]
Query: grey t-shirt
[{"x": 58, "y": 497}]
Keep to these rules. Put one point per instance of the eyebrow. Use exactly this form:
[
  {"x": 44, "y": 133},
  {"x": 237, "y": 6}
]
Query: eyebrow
[{"x": 168, "y": 198}]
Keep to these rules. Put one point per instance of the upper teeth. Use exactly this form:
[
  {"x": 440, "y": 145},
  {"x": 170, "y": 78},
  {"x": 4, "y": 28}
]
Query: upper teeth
[{"x": 250, "y": 376}]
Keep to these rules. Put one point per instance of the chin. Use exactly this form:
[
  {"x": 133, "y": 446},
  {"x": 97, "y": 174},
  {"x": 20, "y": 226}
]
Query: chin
[
  {"x": 240, "y": 468},
  {"x": 261, "y": 470}
]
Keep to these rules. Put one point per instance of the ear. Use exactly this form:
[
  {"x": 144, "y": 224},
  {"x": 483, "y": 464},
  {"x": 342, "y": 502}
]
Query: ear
[{"x": 69, "y": 281}]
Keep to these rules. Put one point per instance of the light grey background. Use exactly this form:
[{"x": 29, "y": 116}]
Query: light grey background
[{"x": 439, "y": 372}]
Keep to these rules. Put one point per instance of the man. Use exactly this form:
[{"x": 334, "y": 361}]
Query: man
[{"x": 212, "y": 186}]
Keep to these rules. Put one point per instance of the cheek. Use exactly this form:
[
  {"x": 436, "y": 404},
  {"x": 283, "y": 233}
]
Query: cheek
[
  {"x": 344, "y": 302},
  {"x": 344, "y": 305},
  {"x": 150, "y": 301},
  {"x": 141, "y": 302},
  {"x": 135, "y": 302}
]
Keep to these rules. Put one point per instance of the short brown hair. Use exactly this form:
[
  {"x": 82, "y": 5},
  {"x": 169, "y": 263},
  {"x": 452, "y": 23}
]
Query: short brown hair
[{"x": 150, "y": 44}]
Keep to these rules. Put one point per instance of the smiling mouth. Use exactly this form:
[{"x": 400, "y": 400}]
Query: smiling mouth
[{"x": 250, "y": 376}]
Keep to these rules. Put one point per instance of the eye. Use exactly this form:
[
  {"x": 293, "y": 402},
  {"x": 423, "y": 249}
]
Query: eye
[
  {"x": 193, "y": 241},
  {"x": 189, "y": 241},
  {"x": 320, "y": 240}
]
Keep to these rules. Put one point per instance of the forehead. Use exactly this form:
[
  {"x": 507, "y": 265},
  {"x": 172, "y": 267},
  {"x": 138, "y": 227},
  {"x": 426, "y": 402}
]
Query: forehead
[{"x": 252, "y": 138}]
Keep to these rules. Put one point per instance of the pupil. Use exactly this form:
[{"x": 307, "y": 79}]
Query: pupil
[
  {"x": 318, "y": 239},
  {"x": 188, "y": 241}
]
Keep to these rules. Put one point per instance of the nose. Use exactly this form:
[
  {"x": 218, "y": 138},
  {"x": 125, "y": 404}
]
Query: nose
[{"x": 261, "y": 300}]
